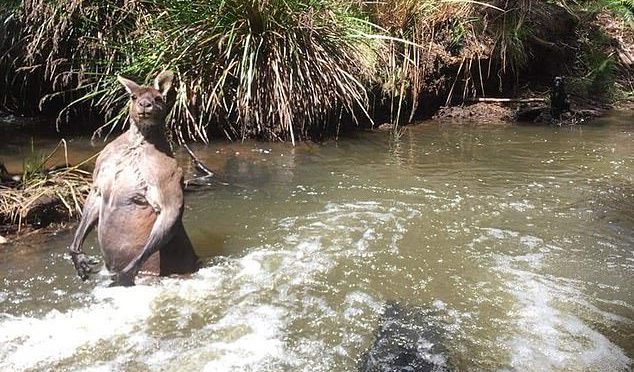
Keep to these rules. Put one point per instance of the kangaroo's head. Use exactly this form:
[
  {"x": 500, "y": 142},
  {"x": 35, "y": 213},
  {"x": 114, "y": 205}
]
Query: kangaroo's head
[{"x": 148, "y": 105}]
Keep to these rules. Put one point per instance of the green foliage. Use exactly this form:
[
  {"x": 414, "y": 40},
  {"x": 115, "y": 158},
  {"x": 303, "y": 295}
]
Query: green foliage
[
  {"x": 510, "y": 32},
  {"x": 32, "y": 167},
  {"x": 9, "y": 5},
  {"x": 595, "y": 68},
  {"x": 623, "y": 9},
  {"x": 277, "y": 69}
]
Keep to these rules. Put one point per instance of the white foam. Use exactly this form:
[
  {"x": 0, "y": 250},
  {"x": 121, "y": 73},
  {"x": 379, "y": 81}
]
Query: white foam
[
  {"x": 30, "y": 341},
  {"x": 261, "y": 340},
  {"x": 547, "y": 338},
  {"x": 231, "y": 316},
  {"x": 531, "y": 242},
  {"x": 521, "y": 206},
  {"x": 499, "y": 233}
]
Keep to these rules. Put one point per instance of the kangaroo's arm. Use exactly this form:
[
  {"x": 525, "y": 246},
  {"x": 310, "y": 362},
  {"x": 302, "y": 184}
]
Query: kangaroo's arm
[
  {"x": 167, "y": 199},
  {"x": 89, "y": 217}
]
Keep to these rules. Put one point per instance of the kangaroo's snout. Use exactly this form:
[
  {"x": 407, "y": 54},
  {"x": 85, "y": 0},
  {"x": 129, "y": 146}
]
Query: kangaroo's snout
[
  {"x": 145, "y": 107},
  {"x": 145, "y": 104}
]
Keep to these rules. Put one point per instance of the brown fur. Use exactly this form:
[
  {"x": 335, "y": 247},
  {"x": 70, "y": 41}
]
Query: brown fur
[{"x": 137, "y": 196}]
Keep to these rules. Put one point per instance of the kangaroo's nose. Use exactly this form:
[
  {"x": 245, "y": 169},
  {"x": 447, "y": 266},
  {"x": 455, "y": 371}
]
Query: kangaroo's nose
[{"x": 145, "y": 103}]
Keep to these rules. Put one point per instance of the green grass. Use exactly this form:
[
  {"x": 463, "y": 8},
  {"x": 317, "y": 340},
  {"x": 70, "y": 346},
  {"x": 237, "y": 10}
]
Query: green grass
[
  {"x": 272, "y": 71},
  {"x": 624, "y": 9}
]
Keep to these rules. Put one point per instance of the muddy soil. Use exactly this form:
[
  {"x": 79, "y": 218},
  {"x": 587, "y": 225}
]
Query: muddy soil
[{"x": 478, "y": 113}]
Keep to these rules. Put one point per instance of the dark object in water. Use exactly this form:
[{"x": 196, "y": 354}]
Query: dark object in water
[
  {"x": 8, "y": 179},
  {"x": 200, "y": 166},
  {"x": 206, "y": 180},
  {"x": 558, "y": 98},
  {"x": 406, "y": 341},
  {"x": 136, "y": 200},
  {"x": 531, "y": 114}
]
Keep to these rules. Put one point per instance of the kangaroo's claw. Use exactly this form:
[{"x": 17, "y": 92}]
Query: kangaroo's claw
[{"x": 83, "y": 264}]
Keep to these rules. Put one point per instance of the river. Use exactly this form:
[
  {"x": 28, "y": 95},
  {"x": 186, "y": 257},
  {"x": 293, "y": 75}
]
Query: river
[{"x": 497, "y": 248}]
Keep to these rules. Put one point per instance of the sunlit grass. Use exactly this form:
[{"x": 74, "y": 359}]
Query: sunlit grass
[{"x": 274, "y": 69}]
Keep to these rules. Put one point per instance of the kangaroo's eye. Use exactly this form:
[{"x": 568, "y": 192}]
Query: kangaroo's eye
[
  {"x": 158, "y": 99},
  {"x": 133, "y": 97}
]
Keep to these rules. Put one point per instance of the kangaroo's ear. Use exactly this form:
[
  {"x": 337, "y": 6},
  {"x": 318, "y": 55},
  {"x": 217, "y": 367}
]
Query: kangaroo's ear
[
  {"x": 129, "y": 85},
  {"x": 163, "y": 82}
]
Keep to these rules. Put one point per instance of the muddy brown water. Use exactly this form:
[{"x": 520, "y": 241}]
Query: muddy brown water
[{"x": 515, "y": 245}]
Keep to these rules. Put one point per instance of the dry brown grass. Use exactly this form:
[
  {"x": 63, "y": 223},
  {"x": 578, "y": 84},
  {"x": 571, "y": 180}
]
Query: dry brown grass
[
  {"x": 63, "y": 189},
  {"x": 69, "y": 186},
  {"x": 429, "y": 34}
]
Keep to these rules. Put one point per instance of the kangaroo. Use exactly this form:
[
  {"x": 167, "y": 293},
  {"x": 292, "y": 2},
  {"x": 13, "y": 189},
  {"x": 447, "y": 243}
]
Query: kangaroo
[{"x": 136, "y": 199}]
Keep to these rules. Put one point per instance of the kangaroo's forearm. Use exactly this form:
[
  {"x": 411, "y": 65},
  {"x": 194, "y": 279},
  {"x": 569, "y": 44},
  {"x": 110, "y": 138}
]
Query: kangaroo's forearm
[
  {"x": 161, "y": 233},
  {"x": 90, "y": 216}
]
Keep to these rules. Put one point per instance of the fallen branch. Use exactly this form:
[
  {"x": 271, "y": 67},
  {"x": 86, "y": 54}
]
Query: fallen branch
[
  {"x": 200, "y": 166},
  {"x": 511, "y": 100},
  {"x": 208, "y": 179}
]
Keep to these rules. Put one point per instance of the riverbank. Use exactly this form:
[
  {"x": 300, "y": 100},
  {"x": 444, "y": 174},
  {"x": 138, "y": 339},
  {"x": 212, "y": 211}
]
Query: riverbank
[
  {"x": 297, "y": 72},
  {"x": 41, "y": 195}
]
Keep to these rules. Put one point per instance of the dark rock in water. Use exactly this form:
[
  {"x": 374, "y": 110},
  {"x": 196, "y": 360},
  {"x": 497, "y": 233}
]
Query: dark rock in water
[
  {"x": 532, "y": 114},
  {"x": 406, "y": 341},
  {"x": 542, "y": 115},
  {"x": 46, "y": 210}
]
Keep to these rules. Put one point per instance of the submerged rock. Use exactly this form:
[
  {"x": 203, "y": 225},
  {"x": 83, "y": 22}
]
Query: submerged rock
[
  {"x": 406, "y": 341},
  {"x": 533, "y": 114},
  {"x": 541, "y": 115}
]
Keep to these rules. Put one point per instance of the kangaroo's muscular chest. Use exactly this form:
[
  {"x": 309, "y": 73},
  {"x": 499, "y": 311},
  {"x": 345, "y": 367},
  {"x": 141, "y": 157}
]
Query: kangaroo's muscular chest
[{"x": 129, "y": 177}]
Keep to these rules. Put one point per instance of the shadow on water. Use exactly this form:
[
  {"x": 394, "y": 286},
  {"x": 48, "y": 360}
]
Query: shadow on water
[{"x": 406, "y": 341}]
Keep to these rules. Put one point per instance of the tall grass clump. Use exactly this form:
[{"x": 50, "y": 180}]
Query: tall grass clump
[
  {"x": 62, "y": 49},
  {"x": 268, "y": 69},
  {"x": 277, "y": 69},
  {"x": 427, "y": 39},
  {"x": 10, "y": 42}
]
